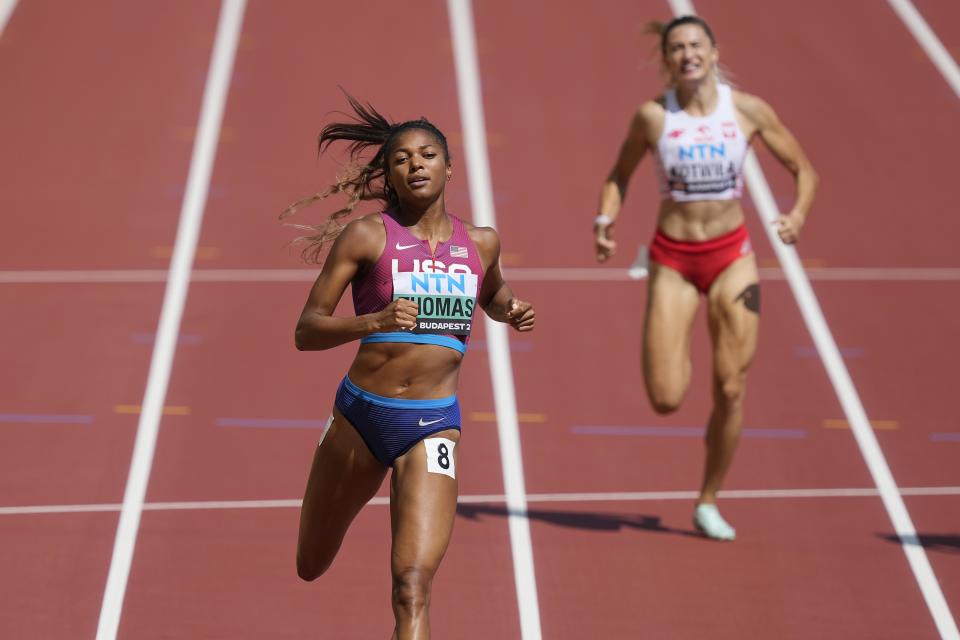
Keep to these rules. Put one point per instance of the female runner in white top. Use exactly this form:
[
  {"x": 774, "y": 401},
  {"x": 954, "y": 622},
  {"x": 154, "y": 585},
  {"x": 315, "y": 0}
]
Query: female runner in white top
[{"x": 700, "y": 246}]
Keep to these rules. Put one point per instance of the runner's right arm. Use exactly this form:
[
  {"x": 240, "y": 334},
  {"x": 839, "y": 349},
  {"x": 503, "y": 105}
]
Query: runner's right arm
[
  {"x": 357, "y": 246},
  {"x": 614, "y": 189}
]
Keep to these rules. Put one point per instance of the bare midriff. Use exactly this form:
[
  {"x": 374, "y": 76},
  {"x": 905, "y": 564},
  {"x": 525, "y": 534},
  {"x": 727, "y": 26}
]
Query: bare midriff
[
  {"x": 405, "y": 370},
  {"x": 699, "y": 221}
]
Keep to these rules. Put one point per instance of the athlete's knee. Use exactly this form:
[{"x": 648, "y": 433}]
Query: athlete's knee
[
  {"x": 730, "y": 390},
  {"x": 411, "y": 589},
  {"x": 664, "y": 407},
  {"x": 665, "y": 400},
  {"x": 666, "y": 386}
]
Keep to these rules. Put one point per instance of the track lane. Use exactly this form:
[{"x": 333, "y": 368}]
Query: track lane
[
  {"x": 640, "y": 572},
  {"x": 944, "y": 19},
  {"x": 936, "y": 521},
  {"x": 97, "y": 129},
  {"x": 557, "y": 111},
  {"x": 74, "y": 353},
  {"x": 54, "y": 567},
  {"x": 246, "y": 365},
  {"x": 901, "y": 125},
  {"x": 905, "y": 362},
  {"x": 274, "y": 121},
  {"x": 92, "y": 153},
  {"x": 786, "y": 377},
  {"x": 877, "y": 121},
  {"x": 611, "y": 439}
]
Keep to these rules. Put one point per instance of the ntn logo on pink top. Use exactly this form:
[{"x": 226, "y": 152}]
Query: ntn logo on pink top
[{"x": 456, "y": 258}]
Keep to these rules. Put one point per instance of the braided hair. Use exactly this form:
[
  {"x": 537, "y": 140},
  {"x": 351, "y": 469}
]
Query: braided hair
[{"x": 362, "y": 180}]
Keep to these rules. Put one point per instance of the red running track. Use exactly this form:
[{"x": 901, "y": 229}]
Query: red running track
[{"x": 98, "y": 153}]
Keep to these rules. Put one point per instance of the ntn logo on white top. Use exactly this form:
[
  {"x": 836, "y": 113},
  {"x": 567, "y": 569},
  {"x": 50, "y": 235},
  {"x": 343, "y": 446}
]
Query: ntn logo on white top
[
  {"x": 702, "y": 152},
  {"x": 695, "y": 151}
]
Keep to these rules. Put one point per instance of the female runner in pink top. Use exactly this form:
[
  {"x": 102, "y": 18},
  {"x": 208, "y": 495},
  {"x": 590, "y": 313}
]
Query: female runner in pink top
[{"x": 418, "y": 273}]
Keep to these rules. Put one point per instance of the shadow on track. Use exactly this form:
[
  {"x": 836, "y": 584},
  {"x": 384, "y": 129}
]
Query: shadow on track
[
  {"x": 578, "y": 519},
  {"x": 944, "y": 542}
]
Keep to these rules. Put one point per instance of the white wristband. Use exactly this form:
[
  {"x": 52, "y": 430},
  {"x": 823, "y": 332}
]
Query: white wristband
[{"x": 603, "y": 219}]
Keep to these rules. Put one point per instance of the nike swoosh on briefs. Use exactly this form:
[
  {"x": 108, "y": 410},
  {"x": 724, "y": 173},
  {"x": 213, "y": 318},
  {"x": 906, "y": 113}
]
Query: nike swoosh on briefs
[
  {"x": 424, "y": 424},
  {"x": 401, "y": 247}
]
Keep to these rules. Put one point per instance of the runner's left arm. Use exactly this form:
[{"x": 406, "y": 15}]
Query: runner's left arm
[
  {"x": 495, "y": 296},
  {"x": 787, "y": 150}
]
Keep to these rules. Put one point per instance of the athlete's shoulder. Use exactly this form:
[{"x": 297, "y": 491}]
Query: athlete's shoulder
[
  {"x": 484, "y": 237},
  {"x": 651, "y": 112},
  {"x": 487, "y": 241},
  {"x": 364, "y": 237},
  {"x": 756, "y": 109},
  {"x": 371, "y": 220},
  {"x": 648, "y": 119},
  {"x": 654, "y": 107}
]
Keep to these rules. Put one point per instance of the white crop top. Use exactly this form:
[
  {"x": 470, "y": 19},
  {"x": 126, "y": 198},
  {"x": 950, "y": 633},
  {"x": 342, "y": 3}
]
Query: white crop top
[{"x": 701, "y": 158}]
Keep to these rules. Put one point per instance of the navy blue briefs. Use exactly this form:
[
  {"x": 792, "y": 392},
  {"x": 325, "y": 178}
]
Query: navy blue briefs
[{"x": 392, "y": 426}]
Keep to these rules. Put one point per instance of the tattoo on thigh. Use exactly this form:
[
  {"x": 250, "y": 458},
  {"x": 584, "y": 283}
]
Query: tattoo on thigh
[{"x": 750, "y": 297}]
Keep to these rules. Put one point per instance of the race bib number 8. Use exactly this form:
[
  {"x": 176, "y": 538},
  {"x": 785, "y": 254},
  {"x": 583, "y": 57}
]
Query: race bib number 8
[
  {"x": 440, "y": 456},
  {"x": 446, "y": 300}
]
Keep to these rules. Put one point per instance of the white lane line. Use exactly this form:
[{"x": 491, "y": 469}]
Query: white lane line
[
  {"x": 70, "y": 276},
  {"x": 868, "y": 274},
  {"x": 928, "y": 39},
  {"x": 852, "y": 406},
  {"x": 501, "y": 371},
  {"x": 515, "y": 274},
  {"x": 188, "y": 231},
  {"x": 612, "y": 496},
  {"x": 6, "y": 10},
  {"x": 846, "y": 392}
]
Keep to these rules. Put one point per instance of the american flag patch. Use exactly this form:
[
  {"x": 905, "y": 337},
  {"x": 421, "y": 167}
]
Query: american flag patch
[{"x": 458, "y": 252}]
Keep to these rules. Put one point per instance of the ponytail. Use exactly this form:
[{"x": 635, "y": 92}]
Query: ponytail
[{"x": 362, "y": 180}]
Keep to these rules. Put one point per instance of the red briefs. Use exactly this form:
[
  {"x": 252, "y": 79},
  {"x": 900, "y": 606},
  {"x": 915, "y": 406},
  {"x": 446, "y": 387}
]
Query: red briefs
[{"x": 701, "y": 262}]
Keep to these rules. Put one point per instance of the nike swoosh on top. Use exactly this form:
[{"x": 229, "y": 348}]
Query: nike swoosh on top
[
  {"x": 401, "y": 247},
  {"x": 424, "y": 424}
]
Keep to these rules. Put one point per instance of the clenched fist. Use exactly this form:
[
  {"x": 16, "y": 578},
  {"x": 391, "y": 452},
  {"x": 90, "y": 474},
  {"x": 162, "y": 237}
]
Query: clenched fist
[
  {"x": 520, "y": 315},
  {"x": 399, "y": 315},
  {"x": 788, "y": 227},
  {"x": 603, "y": 241}
]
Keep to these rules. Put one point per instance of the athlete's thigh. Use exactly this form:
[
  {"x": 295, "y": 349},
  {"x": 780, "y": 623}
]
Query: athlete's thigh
[
  {"x": 672, "y": 303},
  {"x": 734, "y": 316},
  {"x": 343, "y": 478},
  {"x": 423, "y": 502}
]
